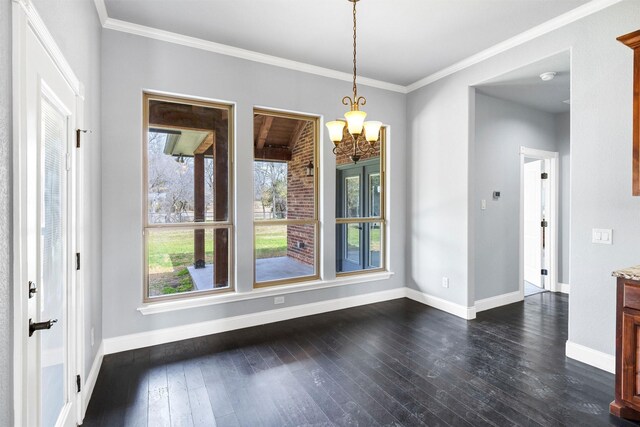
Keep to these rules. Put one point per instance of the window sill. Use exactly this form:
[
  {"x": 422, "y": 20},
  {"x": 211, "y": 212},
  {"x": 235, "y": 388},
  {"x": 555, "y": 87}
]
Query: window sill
[{"x": 203, "y": 301}]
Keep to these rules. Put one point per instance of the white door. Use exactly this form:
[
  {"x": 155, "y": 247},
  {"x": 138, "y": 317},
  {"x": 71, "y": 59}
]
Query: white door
[
  {"x": 532, "y": 221},
  {"x": 50, "y": 114}
]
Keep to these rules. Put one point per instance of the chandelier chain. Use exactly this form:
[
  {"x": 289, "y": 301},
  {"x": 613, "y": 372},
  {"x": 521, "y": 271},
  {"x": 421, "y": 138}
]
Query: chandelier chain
[{"x": 355, "y": 87}]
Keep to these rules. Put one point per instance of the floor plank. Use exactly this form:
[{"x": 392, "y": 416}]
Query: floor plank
[{"x": 397, "y": 363}]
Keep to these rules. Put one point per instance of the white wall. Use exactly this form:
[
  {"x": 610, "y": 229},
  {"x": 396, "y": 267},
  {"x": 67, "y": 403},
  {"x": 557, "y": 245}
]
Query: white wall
[
  {"x": 501, "y": 128},
  {"x": 132, "y": 64},
  {"x": 564, "y": 212},
  {"x": 76, "y": 29},
  {"x": 601, "y": 128},
  {"x": 6, "y": 252}
]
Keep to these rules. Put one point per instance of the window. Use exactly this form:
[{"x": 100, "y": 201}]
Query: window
[
  {"x": 285, "y": 198},
  {"x": 187, "y": 186},
  {"x": 360, "y": 219}
]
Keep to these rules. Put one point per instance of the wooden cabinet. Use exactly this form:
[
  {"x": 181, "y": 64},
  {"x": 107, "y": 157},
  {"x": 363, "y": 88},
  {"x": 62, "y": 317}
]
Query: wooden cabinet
[
  {"x": 633, "y": 41},
  {"x": 627, "y": 400}
]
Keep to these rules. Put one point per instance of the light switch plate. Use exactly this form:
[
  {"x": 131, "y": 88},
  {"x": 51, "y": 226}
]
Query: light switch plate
[
  {"x": 483, "y": 204},
  {"x": 603, "y": 236}
]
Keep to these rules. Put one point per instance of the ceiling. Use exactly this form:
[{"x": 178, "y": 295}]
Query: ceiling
[
  {"x": 274, "y": 138},
  {"x": 399, "y": 41},
  {"x": 524, "y": 85}
]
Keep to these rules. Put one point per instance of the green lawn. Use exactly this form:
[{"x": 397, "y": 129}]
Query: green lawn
[
  {"x": 271, "y": 241},
  {"x": 171, "y": 252}
]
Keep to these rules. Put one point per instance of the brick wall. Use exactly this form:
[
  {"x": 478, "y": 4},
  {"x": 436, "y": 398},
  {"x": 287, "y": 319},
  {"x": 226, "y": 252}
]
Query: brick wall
[{"x": 300, "y": 198}]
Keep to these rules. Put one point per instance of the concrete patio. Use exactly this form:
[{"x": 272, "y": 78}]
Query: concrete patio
[
  {"x": 267, "y": 269},
  {"x": 278, "y": 268}
]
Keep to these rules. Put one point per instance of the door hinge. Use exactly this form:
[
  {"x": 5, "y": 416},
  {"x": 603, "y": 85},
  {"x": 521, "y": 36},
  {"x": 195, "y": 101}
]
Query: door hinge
[
  {"x": 78, "y": 132},
  {"x": 544, "y": 272},
  {"x": 32, "y": 289},
  {"x": 77, "y": 260},
  {"x": 544, "y": 224},
  {"x": 544, "y": 175},
  {"x": 78, "y": 383}
]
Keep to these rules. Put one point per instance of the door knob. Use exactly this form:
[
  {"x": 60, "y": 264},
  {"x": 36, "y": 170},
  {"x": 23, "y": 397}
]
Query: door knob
[{"x": 38, "y": 326}]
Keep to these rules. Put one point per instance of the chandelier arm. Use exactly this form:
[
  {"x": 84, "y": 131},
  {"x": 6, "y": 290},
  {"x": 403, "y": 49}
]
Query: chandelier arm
[
  {"x": 348, "y": 101},
  {"x": 365, "y": 146}
]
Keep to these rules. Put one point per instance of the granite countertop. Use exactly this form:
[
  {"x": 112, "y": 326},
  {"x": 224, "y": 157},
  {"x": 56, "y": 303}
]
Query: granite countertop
[{"x": 631, "y": 273}]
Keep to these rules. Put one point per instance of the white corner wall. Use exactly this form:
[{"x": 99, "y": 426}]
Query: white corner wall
[
  {"x": 601, "y": 126},
  {"x": 132, "y": 64},
  {"x": 563, "y": 143}
]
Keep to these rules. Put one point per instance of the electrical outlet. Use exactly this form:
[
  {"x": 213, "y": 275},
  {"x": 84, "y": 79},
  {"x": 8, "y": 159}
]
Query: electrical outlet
[
  {"x": 278, "y": 300},
  {"x": 445, "y": 282},
  {"x": 93, "y": 340}
]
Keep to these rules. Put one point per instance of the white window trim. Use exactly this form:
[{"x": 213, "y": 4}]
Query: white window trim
[{"x": 203, "y": 301}]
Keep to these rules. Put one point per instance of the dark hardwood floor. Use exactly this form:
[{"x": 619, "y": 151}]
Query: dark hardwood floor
[{"x": 395, "y": 363}]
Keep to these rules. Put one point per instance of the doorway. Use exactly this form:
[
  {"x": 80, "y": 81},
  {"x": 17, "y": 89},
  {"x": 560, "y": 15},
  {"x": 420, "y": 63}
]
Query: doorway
[
  {"x": 538, "y": 221},
  {"x": 521, "y": 117},
  {"x": 358, "y": 196},
  {"x": 535, "y": 236},
  {"x": 47, "y": 309}
]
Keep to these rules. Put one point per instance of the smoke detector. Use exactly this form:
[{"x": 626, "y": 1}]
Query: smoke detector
[{"x": 548, "y": 76}]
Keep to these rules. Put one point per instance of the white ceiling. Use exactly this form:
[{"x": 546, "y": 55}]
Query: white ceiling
[
  {"x": 524, "y": 85},
  {"x": 399, "y": 41}
]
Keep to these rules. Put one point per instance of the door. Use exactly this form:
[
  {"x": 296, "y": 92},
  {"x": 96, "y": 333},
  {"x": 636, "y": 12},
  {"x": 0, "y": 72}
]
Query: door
[
  {"x": 50, "y": 106},
  {"x": 532, "y": 222},
  {"x": 359, "y": 197}
]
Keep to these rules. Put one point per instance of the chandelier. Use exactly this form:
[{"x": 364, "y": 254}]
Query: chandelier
[{"x": 362, "y": 136}]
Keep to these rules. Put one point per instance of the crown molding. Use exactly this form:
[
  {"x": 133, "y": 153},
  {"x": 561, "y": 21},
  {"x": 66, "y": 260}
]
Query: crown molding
[
  {"x": 553, "y": 24},
  {"x": 197, "y": 43},
  {"x": 102, "y": 11}
]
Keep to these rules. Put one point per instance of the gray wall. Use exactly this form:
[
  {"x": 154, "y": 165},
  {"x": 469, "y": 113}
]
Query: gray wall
[
  {"x": 132, "y": 64},
  {"x": 501, "y": 128},
  {"x": 601, "y": 122},
  {"x": 76, "y": 29},
  {"x": 6, "y": 296},
  {"x": 563, "y": 126}
]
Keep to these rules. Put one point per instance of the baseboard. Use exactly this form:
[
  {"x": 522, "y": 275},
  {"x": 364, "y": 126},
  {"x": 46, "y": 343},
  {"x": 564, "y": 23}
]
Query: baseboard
[
  {"x": 592, "y": 357},
  {"x": 498, "y": 301},
  {"x": 162, "y": 336},
  {"x": 92, "y": 377},
  {"x": 564, "y": 288},
  {"x": 462, "y": 311}
]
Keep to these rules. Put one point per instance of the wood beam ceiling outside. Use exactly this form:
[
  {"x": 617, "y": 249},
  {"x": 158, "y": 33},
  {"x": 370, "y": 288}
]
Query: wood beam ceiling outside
[
  {"x": 206, "y": 144},
  {"x": 267, "y": 121},
  {"x": 272, "y": 154}
]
